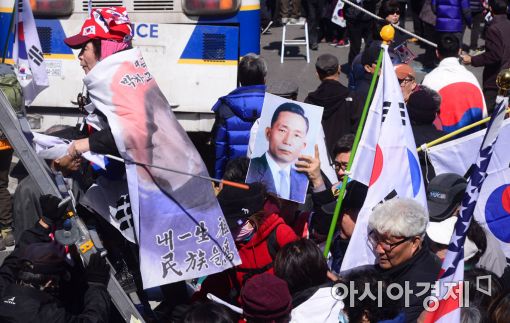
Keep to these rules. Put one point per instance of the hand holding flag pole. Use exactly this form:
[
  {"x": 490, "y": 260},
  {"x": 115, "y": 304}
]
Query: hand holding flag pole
[
  {"x": 387, "y": 33},
  {"x": 222, "y": 181},
  {"x": 503, "y": 82}
]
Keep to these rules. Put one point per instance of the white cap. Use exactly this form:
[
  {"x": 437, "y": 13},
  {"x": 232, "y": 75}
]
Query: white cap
[{"x": 441, "y": 233}]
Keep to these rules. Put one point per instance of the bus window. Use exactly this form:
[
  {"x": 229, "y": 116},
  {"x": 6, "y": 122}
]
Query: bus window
[
  {"x": 210, "y": 7},
  {"x": 52, "y": 8}
]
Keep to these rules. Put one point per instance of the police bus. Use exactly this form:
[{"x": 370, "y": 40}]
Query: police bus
[{"x": 192, "y": 47}]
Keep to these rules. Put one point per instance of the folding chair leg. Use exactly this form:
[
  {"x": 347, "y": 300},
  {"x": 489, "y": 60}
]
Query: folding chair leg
[
  {"x": 283, "y": 44},
  {"x": 307, "y": 44}
]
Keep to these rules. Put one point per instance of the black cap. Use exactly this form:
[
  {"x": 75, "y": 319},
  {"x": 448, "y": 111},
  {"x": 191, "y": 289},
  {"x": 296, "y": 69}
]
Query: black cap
[
  {"x": 422, "y": 106},
  {"x": 355, "y": 194},
  {"x": 43, "y": 258},
  {"x": 327, "y": 64},
  {"x": 444, "y": 193},
  {"x": 238, "y": 204}
]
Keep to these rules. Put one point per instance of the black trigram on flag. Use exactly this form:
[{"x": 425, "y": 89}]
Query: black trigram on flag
[
  {"x": 385, "y": 108},
  {"x": 402, "y": 109},
  {"x": 391, "y": 195},
  {"x": 123, "y": 212},
  {"x": 36, "y": 55}
]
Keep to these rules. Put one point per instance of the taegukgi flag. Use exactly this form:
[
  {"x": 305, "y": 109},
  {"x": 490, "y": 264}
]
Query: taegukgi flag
[
  {"x": 492, "y": 210},
  {"x": 27, "y": 54},
  {"x": 181, "y": 231},
  {"x": 451, "y": 276},
  {"x": 386, "y": 160}
]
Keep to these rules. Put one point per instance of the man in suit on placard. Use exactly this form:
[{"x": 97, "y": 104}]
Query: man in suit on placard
[{"x": 276, "y": 167}]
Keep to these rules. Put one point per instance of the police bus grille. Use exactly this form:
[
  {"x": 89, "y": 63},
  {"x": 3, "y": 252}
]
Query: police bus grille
[
  {"x": 153, "y": 5},
  {"x": 214, "y": 47},
  {"x": 45, "y": 38},
  {"x": 101, "y": 4}
]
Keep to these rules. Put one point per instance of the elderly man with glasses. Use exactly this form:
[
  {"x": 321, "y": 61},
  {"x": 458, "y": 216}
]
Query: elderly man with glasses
[{"x": 397, "y": 231}]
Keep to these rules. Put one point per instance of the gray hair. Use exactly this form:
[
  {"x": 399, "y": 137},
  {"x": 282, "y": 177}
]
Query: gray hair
[
  {"x": 252, "y": 70},
  {"x": 399, "y": 217}
]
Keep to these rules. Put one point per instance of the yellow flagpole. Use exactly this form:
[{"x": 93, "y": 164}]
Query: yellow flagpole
[{"x": 454, "y": 133}]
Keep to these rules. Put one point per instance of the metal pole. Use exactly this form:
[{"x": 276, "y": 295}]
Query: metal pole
[
  {"x": 428, "y": 42},
  {"x": 222, "y": 181},
  {"x": 10, "y": 29}
]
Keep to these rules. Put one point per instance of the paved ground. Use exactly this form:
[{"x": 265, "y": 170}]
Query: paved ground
[{"x": 295, "y": 67}]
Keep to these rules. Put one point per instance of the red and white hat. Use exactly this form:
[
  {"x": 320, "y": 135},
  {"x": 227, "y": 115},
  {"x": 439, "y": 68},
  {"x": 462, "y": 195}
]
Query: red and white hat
[{"x": 104, "y": 23}]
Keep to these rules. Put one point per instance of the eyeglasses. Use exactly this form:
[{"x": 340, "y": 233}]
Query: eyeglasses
[
  {"x": 340, "y": 166},
  {"x": 405, "y": 81},
  {"x": 375, "y": 240}
]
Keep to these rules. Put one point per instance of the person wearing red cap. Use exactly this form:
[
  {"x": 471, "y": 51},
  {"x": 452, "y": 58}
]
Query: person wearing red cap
[
  {"x": 109, "y": 28},
  {"x": 105, "y": 32},
  {"x": 407, "y": 79}
]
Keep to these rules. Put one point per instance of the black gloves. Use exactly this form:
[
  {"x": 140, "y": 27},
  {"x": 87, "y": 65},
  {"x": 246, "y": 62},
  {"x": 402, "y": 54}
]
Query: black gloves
[
  {"x": 97, "y": 270},
  {"x": 51, "y": 213}
]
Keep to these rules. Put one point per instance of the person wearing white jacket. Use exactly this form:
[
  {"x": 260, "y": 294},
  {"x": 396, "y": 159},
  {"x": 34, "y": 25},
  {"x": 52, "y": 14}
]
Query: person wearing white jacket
[
  {"x": 302, "y": 265},
  {"x": 462, "y": 99}
]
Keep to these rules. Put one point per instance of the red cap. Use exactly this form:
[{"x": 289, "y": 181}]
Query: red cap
[
  {"x": 404, "y": 70},
  {"x": 104, "y": 23}
]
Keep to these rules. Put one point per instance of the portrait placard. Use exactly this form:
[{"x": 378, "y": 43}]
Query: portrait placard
[{"x": 287, "y": 130}]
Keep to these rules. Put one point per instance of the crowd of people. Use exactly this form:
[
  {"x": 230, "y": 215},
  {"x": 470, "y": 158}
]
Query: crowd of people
[{"x": 284, "y": 275}]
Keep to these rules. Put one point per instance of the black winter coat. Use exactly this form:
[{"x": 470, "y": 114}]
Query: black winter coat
[
  {"x": 26, "y": 304},
  {"x": 423, "y": 267},
  {"x": 497, "y": 51},
  {"x": 342, "y": 110}
]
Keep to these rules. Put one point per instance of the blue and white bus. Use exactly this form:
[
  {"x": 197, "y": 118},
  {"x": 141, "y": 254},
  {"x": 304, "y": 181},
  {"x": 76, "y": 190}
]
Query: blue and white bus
[{"x": 191, "y": 46}]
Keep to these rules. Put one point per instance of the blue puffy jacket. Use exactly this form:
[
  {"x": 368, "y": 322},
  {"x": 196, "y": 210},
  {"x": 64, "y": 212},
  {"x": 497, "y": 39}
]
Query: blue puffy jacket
[
  {"x": 451, "y": 15},
  {"x": 235, "y": 115}
]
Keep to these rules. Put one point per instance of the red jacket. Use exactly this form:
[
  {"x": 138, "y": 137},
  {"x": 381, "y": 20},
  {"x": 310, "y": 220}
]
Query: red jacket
[{"x": 254, "y": 255}]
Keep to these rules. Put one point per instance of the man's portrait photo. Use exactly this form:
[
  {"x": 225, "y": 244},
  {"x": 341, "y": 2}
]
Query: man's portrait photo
[{"x": 284, "y": 134}]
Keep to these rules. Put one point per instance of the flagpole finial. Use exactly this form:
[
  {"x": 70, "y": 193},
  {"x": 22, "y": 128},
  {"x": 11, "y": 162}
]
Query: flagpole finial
[
  {"x": 387, "y": 33},
  {"x": 503, "y": 81}
]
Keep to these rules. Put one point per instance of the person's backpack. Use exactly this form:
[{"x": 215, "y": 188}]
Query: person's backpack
[
  {"x": 272, "y": 248},
  {"x": 11, "y": 87}
]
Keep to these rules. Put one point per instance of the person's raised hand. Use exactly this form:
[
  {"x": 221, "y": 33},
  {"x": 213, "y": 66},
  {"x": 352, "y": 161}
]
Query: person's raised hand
[
  {"x": 78, "y": 147},
  {"x": 466, "y": 59},
  {"x": 311, "y": 166}
]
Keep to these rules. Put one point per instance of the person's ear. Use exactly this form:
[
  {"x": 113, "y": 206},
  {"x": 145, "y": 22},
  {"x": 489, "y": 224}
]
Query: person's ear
[
  {"x": 416, "y": 243},
  {"x": 367, "y": 68},
  {"x": 268, "y": 133},
  {"x": 438, "y": 55}
]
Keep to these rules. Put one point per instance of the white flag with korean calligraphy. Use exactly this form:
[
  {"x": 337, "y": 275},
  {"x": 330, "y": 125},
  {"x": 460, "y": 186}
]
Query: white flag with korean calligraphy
[{"x": 181, "y": 231}]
